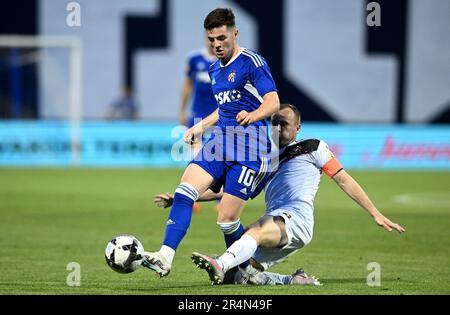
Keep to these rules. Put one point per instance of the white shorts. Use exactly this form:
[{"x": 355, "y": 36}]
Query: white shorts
[{"x": 295, "y": 230}]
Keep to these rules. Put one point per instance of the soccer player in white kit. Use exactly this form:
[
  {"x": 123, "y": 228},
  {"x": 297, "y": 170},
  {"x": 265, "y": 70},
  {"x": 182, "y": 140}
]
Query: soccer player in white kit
[{"x": 287, "y": 224}]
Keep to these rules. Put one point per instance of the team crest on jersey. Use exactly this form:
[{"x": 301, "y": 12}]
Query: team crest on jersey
[{"x": 232, "y": 76}]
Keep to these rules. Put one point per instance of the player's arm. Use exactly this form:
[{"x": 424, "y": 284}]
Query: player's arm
[
  {"x": 192, "y": 133},
  {"x": 355, "y": 191},
  {"x": 186, "y": 92},
  {"x": 210, "y": 195},
  {"x": 270, "y": 105},
  {"x": 166, "y": 200}
]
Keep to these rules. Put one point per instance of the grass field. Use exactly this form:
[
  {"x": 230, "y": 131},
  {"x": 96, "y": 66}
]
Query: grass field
[{"x": 51, "y": 217}]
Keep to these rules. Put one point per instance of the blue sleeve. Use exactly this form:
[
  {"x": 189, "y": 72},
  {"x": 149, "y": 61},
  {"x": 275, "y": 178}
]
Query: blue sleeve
[
  {"x": 262, "y": 79},
  {"x": 190, "y": 68}
]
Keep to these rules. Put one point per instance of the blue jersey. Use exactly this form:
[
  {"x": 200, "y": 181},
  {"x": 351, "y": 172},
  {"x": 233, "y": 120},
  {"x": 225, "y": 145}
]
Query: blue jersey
[
  {"x": 240, "y": 85},
  {"x": 234, "y": 155},
  {"x": 203, "y": 101}
]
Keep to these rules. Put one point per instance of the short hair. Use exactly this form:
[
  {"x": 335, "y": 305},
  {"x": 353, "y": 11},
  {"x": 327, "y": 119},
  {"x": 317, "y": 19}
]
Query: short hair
[
  {"x": 294, "y": 109},
  {"x": 218, "y": 18}
]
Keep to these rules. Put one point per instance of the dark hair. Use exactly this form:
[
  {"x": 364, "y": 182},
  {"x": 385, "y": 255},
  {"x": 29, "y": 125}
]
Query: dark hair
[
  {"x": 218, "y": 18},
  {"x": 294, "y": 109}
]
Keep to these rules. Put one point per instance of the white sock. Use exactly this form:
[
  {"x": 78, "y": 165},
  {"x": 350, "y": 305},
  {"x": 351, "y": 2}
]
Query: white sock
[
  {"x": 241, "y": 250},
  {"x": 168, "y": 253}
]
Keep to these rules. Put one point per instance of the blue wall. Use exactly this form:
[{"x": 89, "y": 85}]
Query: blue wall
[{"x": 47, "y": 143}]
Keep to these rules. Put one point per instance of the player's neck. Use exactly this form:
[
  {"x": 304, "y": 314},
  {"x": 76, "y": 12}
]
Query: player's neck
[
  {"x": 282, "y": 147},
  {"x": 237, "y": 50}
]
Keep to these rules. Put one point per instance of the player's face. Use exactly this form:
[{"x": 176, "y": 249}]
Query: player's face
[
  {"x": 223, "y": 42},
  {"x": 284, "y": 127}
]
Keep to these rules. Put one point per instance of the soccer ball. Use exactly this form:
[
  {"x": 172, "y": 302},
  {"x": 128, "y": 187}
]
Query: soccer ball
[{"x": 124, "y": 253}]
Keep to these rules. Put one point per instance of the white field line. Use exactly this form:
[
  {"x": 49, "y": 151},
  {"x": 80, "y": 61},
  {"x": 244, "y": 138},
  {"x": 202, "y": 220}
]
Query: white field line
[{"x": 433, "y": 199}]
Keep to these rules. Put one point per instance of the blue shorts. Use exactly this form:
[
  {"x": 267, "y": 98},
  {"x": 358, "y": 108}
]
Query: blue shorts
[{"x": 242, "y": 179}]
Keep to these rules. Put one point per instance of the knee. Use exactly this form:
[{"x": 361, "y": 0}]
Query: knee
[
  {"x": 264, "y": 232},
  {"x": 257, "y": 232},
  {"x": 227, "y": 217}
]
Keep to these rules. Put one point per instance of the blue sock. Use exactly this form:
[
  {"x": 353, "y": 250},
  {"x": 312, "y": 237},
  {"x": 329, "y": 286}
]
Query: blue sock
[
  {"x": 180, "y": 215},
  {"x": 233, "y": 237}
]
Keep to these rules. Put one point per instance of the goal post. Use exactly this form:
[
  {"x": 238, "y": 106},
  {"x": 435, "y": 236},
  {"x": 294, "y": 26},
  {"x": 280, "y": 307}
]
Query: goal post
[{"x": 74, "y": 44}]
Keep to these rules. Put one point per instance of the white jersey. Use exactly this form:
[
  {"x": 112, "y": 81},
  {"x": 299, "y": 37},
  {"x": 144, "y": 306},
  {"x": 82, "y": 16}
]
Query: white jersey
[{"x": 295, "y": 184}]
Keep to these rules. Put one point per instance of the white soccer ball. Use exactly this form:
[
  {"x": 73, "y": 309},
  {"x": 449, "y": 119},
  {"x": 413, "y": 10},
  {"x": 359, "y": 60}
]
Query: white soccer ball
[{"x": 124, "y": 253}]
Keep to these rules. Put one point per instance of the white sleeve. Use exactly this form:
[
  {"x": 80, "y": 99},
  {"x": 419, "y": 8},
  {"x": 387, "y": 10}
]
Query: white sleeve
[{"x": 322, "y": 155}]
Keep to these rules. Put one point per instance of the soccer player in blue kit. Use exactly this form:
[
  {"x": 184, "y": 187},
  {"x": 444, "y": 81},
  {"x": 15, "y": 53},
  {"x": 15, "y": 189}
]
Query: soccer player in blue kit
[{"x": 246, "y": 95}]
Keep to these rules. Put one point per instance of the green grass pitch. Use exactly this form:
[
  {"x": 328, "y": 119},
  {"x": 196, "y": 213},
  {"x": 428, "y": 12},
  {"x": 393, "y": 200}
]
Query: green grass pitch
[{"x": 51, "y": 217}]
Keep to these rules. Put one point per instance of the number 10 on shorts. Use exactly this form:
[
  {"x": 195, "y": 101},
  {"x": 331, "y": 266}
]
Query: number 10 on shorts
[{"x": 247, "y": 176}]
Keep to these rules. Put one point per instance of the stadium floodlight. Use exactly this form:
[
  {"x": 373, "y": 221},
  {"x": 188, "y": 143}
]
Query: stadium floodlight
[{"x": 74, "y": 44}]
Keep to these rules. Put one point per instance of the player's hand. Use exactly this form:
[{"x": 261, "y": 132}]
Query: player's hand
[
  {"x": 245, "y": 118},
  {"x": 388, "y": 224},
  {"x": 192, "y": 134},
  {"x": 163, "y": 200}
]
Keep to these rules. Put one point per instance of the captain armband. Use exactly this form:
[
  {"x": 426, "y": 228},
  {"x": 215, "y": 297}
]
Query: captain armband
[{"x": 332, "y": 167}]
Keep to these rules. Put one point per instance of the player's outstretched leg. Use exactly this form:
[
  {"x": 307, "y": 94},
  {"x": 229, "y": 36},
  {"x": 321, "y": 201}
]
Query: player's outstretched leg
[
  {"x": 156, "y": 262},
  {"x": 211, "y": 265}
]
